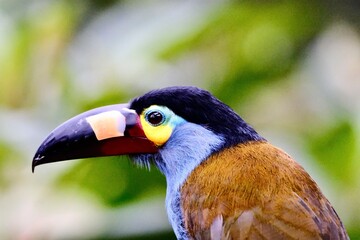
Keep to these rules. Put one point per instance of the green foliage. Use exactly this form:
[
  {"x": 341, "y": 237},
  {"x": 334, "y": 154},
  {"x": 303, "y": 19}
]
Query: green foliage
[
  {"x": 33, "y": 52},
  {"x": 114, "y": 180},
  {"x": 110, "y": 96},
  {"x": 8, "y": 158},
  {"x": 334, "y": 150},
  {"x": 254, "y": 44}
]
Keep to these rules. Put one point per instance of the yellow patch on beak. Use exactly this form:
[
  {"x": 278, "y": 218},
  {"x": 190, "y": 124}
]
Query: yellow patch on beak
[{"x": 107, "y": 124}]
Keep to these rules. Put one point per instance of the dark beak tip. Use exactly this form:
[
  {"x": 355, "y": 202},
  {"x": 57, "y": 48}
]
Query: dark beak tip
[
  {"x": 33, "y": 167},
  {"x": 36, "y": 161}
]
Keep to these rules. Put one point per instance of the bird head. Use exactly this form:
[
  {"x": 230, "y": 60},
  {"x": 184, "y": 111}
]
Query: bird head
[{"x": 175, "y": 128}]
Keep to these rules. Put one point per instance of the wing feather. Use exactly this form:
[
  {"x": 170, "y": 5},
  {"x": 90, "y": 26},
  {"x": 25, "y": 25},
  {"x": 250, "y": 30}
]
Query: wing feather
[
  {"x": 267, "y": 195},
  {"x": 287, "y": 221}
]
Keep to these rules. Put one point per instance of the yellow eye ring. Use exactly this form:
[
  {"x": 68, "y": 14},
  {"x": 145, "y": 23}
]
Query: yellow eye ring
[{"x": 157, "y": 124}]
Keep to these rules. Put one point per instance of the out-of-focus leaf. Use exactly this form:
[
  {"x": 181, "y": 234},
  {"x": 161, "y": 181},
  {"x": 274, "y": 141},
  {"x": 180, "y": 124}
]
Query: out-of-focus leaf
[
  {"x": 114, "y": 180},
  {"x": 8, "y": 156},
  {"x": 271, "y": 39},
  {"x": 99, "y": 5},
  {"x": 111, "y": 96},
  {"x": 34, "y": 52},
  {"x": 248, "y": 44},
  {"x": 354, "y": 231},
  {"x": 334, "y": 150}
]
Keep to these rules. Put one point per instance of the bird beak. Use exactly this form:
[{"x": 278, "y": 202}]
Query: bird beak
[{"x": 105, "y": 131}]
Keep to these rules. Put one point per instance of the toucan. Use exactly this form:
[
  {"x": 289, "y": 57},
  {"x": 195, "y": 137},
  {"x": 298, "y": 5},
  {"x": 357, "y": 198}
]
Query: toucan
[{"x": 224, "y": 180}]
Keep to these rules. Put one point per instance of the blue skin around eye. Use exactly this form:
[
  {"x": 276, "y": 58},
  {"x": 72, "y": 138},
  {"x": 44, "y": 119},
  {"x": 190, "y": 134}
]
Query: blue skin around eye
[{"x": 170, "y": 118}]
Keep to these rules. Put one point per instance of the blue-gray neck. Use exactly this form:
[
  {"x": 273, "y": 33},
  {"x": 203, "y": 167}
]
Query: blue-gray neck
[{"x": 189, "y": 145}]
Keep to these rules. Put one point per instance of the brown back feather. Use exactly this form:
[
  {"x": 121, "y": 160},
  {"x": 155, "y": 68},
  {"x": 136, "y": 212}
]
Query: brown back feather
[{"x": 256, "y": 191}]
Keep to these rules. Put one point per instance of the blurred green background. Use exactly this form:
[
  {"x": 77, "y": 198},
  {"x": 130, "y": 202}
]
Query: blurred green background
[{"x": 289, "y": 68}]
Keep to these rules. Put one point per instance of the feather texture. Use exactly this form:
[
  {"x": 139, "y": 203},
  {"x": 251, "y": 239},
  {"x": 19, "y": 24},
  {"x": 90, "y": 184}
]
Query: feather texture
[{"x": 256, "y": 191}]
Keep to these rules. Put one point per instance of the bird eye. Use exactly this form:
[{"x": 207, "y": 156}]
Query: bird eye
[{"x": 155, "y": 118}]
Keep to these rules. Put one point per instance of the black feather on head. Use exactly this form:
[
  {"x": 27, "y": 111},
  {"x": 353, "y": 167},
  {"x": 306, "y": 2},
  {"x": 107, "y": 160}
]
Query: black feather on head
[{"x": 200, "y": 107}]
